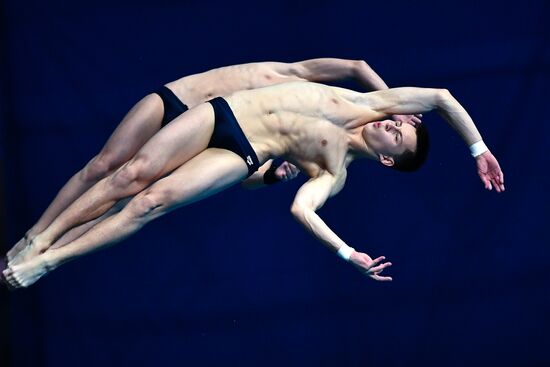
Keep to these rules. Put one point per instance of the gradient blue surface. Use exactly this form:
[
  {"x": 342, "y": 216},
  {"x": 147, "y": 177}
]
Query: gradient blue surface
[{"x": 233, "y": 280}]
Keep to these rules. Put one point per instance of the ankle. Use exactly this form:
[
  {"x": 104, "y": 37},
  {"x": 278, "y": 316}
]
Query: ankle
[
  {"x": 40, "y": 241},
  {"x": 50, "y": 259},
  {"x": 32, "y": 233}
]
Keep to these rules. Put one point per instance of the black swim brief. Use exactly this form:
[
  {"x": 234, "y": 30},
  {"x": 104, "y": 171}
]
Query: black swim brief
[
  {"x": 228, "y": 135},
  {"x": 173, "y": 107}
]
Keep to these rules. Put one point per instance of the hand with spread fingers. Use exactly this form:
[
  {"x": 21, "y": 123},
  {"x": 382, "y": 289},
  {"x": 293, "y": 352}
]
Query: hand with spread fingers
[
  {"x": 413, "y": 120},
  {"x": 371, "y": 268},
  {"x": 489, "y": 171}
]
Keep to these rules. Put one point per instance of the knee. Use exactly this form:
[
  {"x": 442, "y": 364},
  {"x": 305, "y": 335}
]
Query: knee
[
  {"x": 149, "y": 204},
  {"x": 135, "y": 171},
  {"x": 98, "y": 168}
]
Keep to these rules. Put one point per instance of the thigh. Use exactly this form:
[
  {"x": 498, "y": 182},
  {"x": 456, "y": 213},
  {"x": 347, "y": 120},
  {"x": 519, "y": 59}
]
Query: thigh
[
  {"x": 182, "y": 139},
  {"x": 208, "y": 173},
  {"x": 138, "y": 126}
]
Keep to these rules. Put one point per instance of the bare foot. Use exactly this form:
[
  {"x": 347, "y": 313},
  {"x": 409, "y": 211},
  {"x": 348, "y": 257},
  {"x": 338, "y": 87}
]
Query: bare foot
[
  {"x": 27, "y": 273},
  {"x": 31, "y": 250},
  {"x": 16, "y": 249}
]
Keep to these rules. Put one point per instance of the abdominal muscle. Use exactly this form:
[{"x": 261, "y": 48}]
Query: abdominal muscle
[{"x": 295, "y": 121}]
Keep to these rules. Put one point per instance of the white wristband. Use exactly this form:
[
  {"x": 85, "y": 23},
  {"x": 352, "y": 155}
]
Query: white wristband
[
  {"x": 478, "y": 148},
  {"x": 345, "y": 252}
]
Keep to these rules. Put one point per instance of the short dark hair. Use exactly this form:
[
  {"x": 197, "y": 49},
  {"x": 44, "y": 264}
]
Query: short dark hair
[{"x": 410, "y": 161}]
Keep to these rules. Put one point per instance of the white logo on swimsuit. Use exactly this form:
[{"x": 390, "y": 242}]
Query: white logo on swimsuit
[{"x": 249, "y": 160}]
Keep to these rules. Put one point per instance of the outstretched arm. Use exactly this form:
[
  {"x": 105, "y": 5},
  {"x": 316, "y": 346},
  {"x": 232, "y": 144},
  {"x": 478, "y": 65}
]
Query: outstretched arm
[
  {"x": 311, "y": 196},
  {"x": 333, "y": 69},
  {"x": 417, "y": 100}
]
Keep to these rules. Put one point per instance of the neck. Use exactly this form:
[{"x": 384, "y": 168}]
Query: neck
[{"x": 357, "y": 146}]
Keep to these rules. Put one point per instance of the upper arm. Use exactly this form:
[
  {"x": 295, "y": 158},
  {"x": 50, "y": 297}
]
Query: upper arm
[
  {"x": 323, "y": 69},
  {"x": 405, "y": 100},
  {"x": 339, "y": 183},
  {"x": 314, "y": 193}
]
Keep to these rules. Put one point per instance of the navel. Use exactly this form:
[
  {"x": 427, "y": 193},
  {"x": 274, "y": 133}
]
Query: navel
[
  {"x": 324, "y": 142},
  {"x": 334, "y": 100}
]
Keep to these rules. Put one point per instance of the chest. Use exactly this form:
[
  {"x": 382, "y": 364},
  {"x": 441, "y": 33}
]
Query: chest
[{"x": 321, "y": 146}]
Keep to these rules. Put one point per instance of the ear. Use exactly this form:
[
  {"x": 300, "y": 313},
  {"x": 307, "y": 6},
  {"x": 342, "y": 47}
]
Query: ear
[{"x": 386, "y": 160}]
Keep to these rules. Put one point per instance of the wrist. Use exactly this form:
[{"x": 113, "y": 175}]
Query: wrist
[
  {"x": 270, "y": 176},
  {"x": 345, "y": 252},
  {"x": 478, "y": 148}
]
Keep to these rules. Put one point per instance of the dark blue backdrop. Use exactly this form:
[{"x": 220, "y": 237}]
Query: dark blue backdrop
[{"x": 471, "y": 283}]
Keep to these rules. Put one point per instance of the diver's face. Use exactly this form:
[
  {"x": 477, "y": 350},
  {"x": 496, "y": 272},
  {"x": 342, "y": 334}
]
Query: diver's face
[{"x": 389, "y": 138}]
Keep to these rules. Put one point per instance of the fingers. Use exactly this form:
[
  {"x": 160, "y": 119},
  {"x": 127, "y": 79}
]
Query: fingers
[
  {"x": 3, "y": 279},
  {"x": 295, "y": 171},
  {"x": 495, "y": 179},
  {"x": 379, "y": 268},
  {"x": 381, "y": 279},
  {"x": 372, "y": 268},
  {"x": 10, "y": 279},
  {"x": 485, "y": 180},
  {"x": 377, "y": 261},
  {"x": 496, "y": 185},
  {"x": 286, "y": 171},
  {"x": 416, "y": 119},
  {"x": 499, "y": 178},
  {"x": 289, "y": 172}
]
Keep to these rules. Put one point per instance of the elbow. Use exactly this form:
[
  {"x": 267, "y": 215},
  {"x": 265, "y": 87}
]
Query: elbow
[
  {"x": 300, "y": 212},
  {"x": 360, "y": 67},
  {"x": 443, "y": 98},
  {"x": 443, "y": 95},
  {"x": 297, "y": 211}
]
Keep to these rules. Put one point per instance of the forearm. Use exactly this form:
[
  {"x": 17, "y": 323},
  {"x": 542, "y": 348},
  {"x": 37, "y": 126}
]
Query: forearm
[
  {"x": 256, "y": 180},
  {"x": 318, "y": 228},
  {"x": 367, "y": 77},
  {"x": 458, "y": 118}
]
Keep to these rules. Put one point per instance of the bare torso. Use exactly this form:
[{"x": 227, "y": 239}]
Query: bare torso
[
  {"x": 308, "y": 124},
  {"x": 199, "y": 88}
]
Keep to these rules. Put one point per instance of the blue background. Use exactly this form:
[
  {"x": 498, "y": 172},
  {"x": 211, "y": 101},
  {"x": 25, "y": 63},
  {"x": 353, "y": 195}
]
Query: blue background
[{"x": 234, "y": 280}]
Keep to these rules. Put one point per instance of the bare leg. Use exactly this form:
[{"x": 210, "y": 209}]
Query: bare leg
[
  {"x": 208, "y": 173},
  {"x": 138, "y": 126},
  {"x": 178, "y": 142},
  {"x": 76, "y": 232}
]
